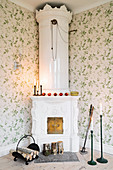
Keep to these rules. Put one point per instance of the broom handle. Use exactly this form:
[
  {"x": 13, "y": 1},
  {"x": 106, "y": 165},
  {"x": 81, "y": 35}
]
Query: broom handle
[{"x": 91, "y": 114}]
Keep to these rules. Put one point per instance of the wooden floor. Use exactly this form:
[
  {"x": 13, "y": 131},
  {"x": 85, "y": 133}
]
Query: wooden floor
[{"x": 7, "y": 163}]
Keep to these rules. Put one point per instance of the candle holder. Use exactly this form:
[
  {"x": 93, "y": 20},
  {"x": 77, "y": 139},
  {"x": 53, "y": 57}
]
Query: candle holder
[
  {"x": 34, "y": 90},
  {"x": 92, "y": 162},
  {"x": 41, "y": 90},
  {"x": 37, "y": 93},
  {"x": 101, "y": 159}
]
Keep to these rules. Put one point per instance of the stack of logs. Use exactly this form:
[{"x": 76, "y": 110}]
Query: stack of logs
[
  {"x": 28, "y": 154},
  {"x": 56, "y": 147}
]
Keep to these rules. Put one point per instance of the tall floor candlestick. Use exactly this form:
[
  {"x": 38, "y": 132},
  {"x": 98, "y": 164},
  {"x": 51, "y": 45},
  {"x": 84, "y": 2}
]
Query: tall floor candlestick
[
  {"x": 101, "y": 159},
  {"x": 92, "y": 162}
]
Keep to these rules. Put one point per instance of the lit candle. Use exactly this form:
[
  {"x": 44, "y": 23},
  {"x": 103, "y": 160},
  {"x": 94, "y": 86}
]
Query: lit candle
[
  {"x": 34, "y": 82},
  {"x": 92, "y": 123},
  {"x": 37, "y": 85},
  {"x": 100, "y": 108}
]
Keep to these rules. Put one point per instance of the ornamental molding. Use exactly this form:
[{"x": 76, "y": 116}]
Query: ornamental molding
[
  {"x": 47, "y": 7},
  {"x": 48, "y": 12}
]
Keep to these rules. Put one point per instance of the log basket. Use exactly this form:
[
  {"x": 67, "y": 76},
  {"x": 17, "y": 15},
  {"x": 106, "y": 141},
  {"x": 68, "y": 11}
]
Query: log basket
[{"x": 32, "y": 146}]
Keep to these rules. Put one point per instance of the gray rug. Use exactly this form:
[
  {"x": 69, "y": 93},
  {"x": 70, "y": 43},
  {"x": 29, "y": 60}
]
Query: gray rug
[{"x": 66, "y": 157}]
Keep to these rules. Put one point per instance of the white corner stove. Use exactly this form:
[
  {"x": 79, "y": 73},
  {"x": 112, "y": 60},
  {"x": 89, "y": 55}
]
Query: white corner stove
[
  {"x": 62, "y": 111},
  {"x": 66, "y": 107}
]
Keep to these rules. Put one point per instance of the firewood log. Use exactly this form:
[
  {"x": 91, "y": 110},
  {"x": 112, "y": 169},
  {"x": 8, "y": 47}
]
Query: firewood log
[
  {"x": 30, "y": 151},
  {"x": 34, "y": 156},
  {"x": 26, "y": 150},
  {"x": 30, "y": 157},
  {"x": 25, "y": 155},
  {"x": 37, "y": 153},
  {"x": 11, "y": 151},
  {"x": 54, "y": 147},
  {"x": 34, "y": 151},
  {"x": 60, "y": 147}
]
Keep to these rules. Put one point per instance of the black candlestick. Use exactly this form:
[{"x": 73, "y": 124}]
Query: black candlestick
[
  {"x": 101, "y": 159},
  {"x": 92, "y": 162},
  {"x": 34, "y": 90},
  {"x": 40, "y": 89}
]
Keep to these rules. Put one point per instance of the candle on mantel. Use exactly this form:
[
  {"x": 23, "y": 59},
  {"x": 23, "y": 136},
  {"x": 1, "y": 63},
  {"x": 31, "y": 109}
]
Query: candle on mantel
[
  {"x": 92, "y": 123},
  {"x": 34, "y": 82},
  {"x": 34, "y": 87},
  {"x": 100, "y": 108}
]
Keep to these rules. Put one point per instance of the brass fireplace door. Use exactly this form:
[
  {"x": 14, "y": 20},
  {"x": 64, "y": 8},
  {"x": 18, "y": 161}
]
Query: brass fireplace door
[{"x": 55, "y": 125}]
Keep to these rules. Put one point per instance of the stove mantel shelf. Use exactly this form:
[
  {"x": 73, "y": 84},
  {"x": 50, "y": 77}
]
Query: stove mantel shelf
[{"x": 54, "y": 97}]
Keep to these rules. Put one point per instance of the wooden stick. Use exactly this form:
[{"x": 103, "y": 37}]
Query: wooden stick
[{"x": 90, "y": 118}]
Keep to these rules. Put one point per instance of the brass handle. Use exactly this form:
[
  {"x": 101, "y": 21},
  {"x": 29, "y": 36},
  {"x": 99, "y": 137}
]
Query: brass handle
[{"x": 56, "y": 125}]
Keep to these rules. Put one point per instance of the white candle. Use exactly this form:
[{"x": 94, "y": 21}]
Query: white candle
[
  {"x": 37, "y": 85},
  {"x": 100, "y": 108},
  {"x": 34, "y": 82},
  {"x": 92, "y": 123}
]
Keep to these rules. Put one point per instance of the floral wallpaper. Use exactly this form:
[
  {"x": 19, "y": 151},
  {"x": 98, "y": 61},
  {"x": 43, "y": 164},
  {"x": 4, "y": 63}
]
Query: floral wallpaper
[
  {"x": 18, "y": 42},
  {"x": 91, "y": 67}
]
